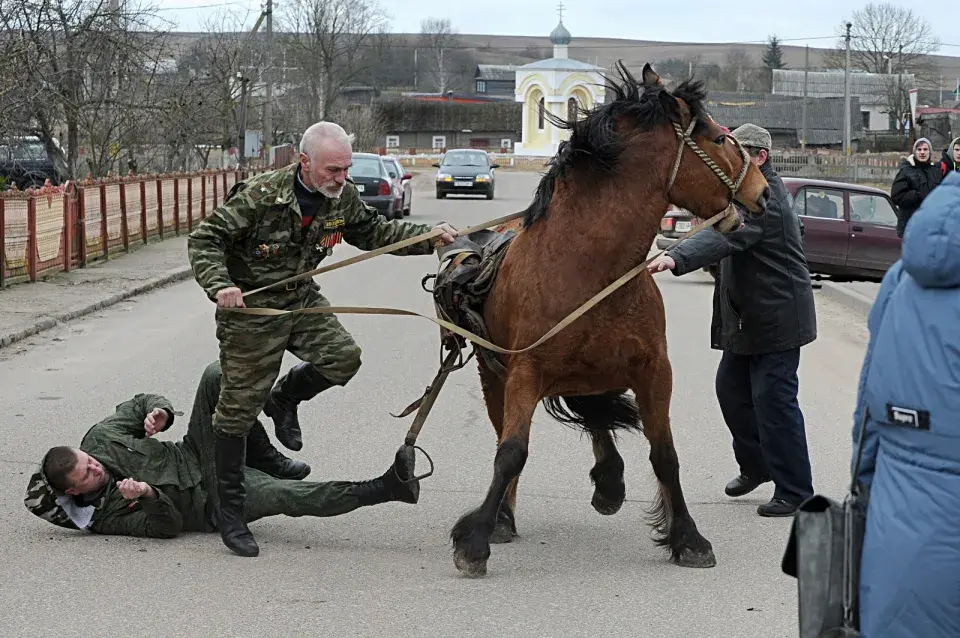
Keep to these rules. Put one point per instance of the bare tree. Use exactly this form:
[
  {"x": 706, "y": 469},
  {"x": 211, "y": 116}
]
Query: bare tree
[
  {"x": 365, "y": 122},
  {"x": 740, "y": 73},
  {"x": 326, "y": 42},
  {"x": 210, "y": 89},
  {"x": 81, "y": 66},
  {"x": 889, "y": 39},
  {"x": 437, "y": 37},
  {"x": 885, "y": 37}
]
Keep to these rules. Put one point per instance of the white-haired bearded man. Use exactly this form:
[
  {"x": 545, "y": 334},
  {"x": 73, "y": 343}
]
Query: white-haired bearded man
[{"x": 272, "y": 226}]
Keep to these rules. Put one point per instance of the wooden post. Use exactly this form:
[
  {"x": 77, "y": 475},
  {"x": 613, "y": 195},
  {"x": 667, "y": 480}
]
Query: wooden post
[
  {"x": 203, "y": 196},
  {"x": 143, "y": 210},
  {"x": 160, "y": 207},
  {"x": 124, "y": 225},
  {"x": 3, "y": 243},
  {"x": 32, "y": 237},
  {"x": 214, "y": 190},
  {"x": 82, "y": 224},
  {"x": 67, "y": 228},
  {"x": 104, "y": 236},
  {"x": 225, "y": 189},
  {"x": 176, "y": 206},
  {"x": 189, "y": 203}
]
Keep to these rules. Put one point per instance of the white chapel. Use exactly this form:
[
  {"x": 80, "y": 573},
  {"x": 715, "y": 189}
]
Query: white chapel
[{"x": 556, "y": 85}]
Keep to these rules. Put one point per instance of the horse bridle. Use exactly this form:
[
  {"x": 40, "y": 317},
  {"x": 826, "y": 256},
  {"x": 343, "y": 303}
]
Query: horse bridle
[{"x": 683, "y": 138}]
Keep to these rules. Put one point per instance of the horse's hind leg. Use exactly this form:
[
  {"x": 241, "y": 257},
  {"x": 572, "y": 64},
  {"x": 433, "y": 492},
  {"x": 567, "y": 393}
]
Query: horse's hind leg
[
  {"x": 609, "y": 490},
  {"x": 506, "y": 528},
  {"x": 471, "y": 534},
  {"x": 672, "y": 522}
]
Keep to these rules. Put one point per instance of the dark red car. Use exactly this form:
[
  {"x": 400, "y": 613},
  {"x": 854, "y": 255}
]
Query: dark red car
[{"x": 850, "y": 231}]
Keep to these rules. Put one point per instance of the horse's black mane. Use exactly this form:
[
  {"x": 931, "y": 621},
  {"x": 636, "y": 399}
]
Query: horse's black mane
[{"x": 595, "y": 145}]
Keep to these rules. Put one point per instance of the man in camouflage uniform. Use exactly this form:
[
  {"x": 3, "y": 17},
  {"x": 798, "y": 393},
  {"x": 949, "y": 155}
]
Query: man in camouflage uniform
[
  {"x": 273, "y": 226},
  {"x": 123, "y": 481}
]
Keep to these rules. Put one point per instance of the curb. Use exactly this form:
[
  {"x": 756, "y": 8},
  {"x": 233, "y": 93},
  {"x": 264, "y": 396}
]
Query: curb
[
  {"x": 852, "y": 299},
  {"x": 171, "y": 277}
]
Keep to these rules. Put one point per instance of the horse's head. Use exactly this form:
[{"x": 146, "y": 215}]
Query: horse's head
[{"x": 709, "y": 170}]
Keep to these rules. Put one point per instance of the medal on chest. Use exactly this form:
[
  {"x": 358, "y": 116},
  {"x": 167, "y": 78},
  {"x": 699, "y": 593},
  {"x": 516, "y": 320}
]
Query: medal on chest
[{"x": 332, "y": 234}]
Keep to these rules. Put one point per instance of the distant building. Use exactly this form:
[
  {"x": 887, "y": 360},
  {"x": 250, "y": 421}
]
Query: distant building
[
  {"x": 428, "y": 123},
  {"x": 783, "y": 117},
  {"x": 496, "y": 80},
  {"x": 559, "y": 86},
  {"x": 872, "y": 90}
]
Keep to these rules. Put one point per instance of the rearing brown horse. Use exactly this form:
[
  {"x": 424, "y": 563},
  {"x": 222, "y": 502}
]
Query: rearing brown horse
[{"x": 594, "y": 217}]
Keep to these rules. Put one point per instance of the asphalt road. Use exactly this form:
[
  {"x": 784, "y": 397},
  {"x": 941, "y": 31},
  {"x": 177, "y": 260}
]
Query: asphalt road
[{"x": 388, "y": 570}]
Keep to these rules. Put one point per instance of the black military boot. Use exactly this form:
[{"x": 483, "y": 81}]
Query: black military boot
[
  {"x": 263, "y": 456},
  {"x": 391, "y": 486},
  {"x": 302, "y": 382},
  {"x": 230, "y": 514}
]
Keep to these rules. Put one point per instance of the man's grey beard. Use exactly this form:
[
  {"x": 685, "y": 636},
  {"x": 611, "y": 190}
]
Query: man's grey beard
[{"x": 329, "y": 192}]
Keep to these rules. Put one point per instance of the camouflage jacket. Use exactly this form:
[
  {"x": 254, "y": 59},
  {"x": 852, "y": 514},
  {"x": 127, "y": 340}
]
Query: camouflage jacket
[
  {"x": 255, "y": 237},
  {"x": 121, "y": 445}
]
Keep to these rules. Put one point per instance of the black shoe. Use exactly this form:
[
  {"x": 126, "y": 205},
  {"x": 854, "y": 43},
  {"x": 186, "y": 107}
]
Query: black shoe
[
  {"x": 743, "y": 484},
  {"x": 263, "y": 456},
  {"x": 777, "y": 507},
  {"x": 395, "y": 484},
  {"x": 229, "y": 513},
  {"x": 301, "y": 383}
]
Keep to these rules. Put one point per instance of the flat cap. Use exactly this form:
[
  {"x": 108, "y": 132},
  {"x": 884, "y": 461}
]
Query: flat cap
[{"x": 753, "y": 136}]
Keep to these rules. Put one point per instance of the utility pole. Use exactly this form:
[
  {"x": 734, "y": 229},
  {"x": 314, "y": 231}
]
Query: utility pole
[
  {"x": 242, "y": 135},
  {"x": 846, "y": 97},
  {"x": 268, "y": 79},
  {"x": 415, "y": 69},
  {"x": 803, "y": 119}
]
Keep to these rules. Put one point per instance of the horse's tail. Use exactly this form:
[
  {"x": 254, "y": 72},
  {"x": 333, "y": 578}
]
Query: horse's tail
[{"x": 596, "y": 412}]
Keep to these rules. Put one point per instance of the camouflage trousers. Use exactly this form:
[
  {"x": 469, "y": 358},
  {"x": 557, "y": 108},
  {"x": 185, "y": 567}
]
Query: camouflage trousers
[
  {"x": 252, "y": 347},
  {"x": 266, "y": 495}
]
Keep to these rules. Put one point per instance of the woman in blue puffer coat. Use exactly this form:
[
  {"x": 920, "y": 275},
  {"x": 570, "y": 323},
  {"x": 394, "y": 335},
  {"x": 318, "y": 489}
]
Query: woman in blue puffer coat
[{"x": 910, "y": 383}]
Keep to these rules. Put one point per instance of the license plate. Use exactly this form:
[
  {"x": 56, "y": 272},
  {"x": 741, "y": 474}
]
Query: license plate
[
  {"x": 462, "y": 183},
  {"x": 683, "y": 227},
  {"x": 359, "y": 188}
]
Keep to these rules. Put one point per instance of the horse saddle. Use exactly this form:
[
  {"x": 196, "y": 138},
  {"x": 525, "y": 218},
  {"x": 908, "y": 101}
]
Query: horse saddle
[{"x": 468, "y": 268}]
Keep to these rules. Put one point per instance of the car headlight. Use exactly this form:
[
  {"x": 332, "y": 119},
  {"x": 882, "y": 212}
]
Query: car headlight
[
  {"x": 483, "y": 178},
  {"x": 443, "y": 177}
]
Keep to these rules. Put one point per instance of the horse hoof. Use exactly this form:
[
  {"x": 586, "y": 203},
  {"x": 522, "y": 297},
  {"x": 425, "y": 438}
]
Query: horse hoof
[
  {"x": 503, "y": 533},
  {"x": 604, "y": 505},
  {"x": 469, "y": 568},
  {"x": 689, "y": 558}
]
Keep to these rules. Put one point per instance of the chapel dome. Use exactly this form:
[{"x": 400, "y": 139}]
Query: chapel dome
[{"x": 560, "y": 35}]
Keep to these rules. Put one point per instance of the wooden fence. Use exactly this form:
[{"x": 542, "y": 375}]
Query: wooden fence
[{"x": 59, "y": 228}]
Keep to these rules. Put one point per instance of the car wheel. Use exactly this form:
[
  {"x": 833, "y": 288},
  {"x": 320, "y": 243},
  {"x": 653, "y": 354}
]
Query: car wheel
[
  {"x": 440, "y": 195},
  {"x": 490, "y": 193}
]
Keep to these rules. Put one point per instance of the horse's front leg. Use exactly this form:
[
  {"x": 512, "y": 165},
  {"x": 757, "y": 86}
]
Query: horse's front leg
[
  {"x": 673, "y": 523},
  {"x": 471, "y": 535}
]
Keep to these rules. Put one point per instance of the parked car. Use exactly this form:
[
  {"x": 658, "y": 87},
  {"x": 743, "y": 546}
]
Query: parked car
[
  {"x": 24, "y": 161},
  {"x": 466, "y": 171},
  {"x": 402, "y": 183},
  {"x": 369, "y": 174},
  {"x": 850, "y": 230}
]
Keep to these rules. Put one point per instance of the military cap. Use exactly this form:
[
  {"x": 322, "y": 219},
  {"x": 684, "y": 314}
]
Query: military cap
[{"x": 753, "y": 136}]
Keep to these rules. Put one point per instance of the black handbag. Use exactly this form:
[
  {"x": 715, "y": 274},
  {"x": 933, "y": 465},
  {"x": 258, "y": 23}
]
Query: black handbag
[{"x": 823, "y": 554}]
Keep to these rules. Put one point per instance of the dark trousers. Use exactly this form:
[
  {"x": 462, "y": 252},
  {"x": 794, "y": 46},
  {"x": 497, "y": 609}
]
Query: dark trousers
[{"x": 758, "y": 398}]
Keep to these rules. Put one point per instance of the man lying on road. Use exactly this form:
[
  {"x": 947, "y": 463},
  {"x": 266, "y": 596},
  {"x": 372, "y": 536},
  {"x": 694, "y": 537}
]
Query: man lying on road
[{"x": 122, "y": 481}]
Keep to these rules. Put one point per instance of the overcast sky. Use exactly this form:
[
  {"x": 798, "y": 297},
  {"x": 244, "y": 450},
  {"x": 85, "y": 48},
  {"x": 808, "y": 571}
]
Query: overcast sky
[{"x": 665, "y": 20}]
